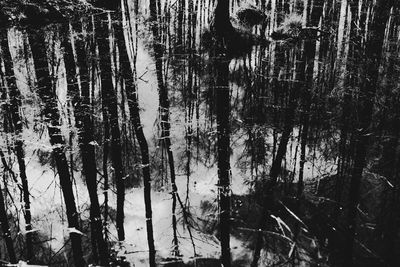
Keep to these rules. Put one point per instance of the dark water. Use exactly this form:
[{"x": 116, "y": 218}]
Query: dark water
[{"x": 293, "y": 122}]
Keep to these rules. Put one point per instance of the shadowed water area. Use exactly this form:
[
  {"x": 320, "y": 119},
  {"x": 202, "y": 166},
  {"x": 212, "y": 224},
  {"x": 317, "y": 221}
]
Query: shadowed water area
[{"x": 199, "y": 133}]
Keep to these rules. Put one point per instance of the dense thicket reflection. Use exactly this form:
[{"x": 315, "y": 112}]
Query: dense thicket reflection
[{"x": 176, "y": 133}]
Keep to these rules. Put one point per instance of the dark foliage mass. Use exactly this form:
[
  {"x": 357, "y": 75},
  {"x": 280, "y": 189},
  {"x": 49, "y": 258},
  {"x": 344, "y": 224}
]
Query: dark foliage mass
[{"x": 200, "y": 133}]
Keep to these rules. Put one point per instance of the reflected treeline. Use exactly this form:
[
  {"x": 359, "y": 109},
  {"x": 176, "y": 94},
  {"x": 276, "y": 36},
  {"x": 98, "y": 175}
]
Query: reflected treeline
[{"x": 276, "y": 131}]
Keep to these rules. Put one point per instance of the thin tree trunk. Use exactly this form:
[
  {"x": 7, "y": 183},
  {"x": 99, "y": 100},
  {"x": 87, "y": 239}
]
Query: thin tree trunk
[
  {"x": 268, "y": 200},
  {"x": 304, "y": 139},
  {"x": 180, "y": 32},
  {"x": 106, "y": 145},
  {"x": 46, "y": 92},
  {"x": 129, "y": 78},
  {"x": 106, "y": 188},
  {"x": 135, "y": 116},
  {"x": 84, "y": 123},
  {"x": 110, "y": 103},
  {"x": 19, "y": 143},
  {"x": 6, "y": 229},
  {"x": 305, "y": 77},
  {"x": 165, "y": 128}
]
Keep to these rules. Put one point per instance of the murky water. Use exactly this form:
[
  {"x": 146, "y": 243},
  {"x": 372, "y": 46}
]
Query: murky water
[{"x": 295, "y": 103}]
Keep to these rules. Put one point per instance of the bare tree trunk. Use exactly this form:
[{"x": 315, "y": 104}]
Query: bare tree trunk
[
  {"x": 19, "y": 143},
  {"x": 222, "y": 102},
  {"x": 110, "y": 103},
  {"x": 46, "y": 92},
  {"x": 181, "y": 25},
  {"x": 134, "y": 109},
  {"x": 129, "y": 78},
  {"x": 84, "y": 123},
  {"x": 223, "y": 144},
  {"x": 106, "y": 144},
  {"x": 6, "y": 229},
  {"x": 306, "y": 76},
  {"x": 268, "y": 199},
  {"x": 165, "y": 125}
]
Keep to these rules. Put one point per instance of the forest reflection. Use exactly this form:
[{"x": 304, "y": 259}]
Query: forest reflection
[{"x": 200, "y": 133}]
